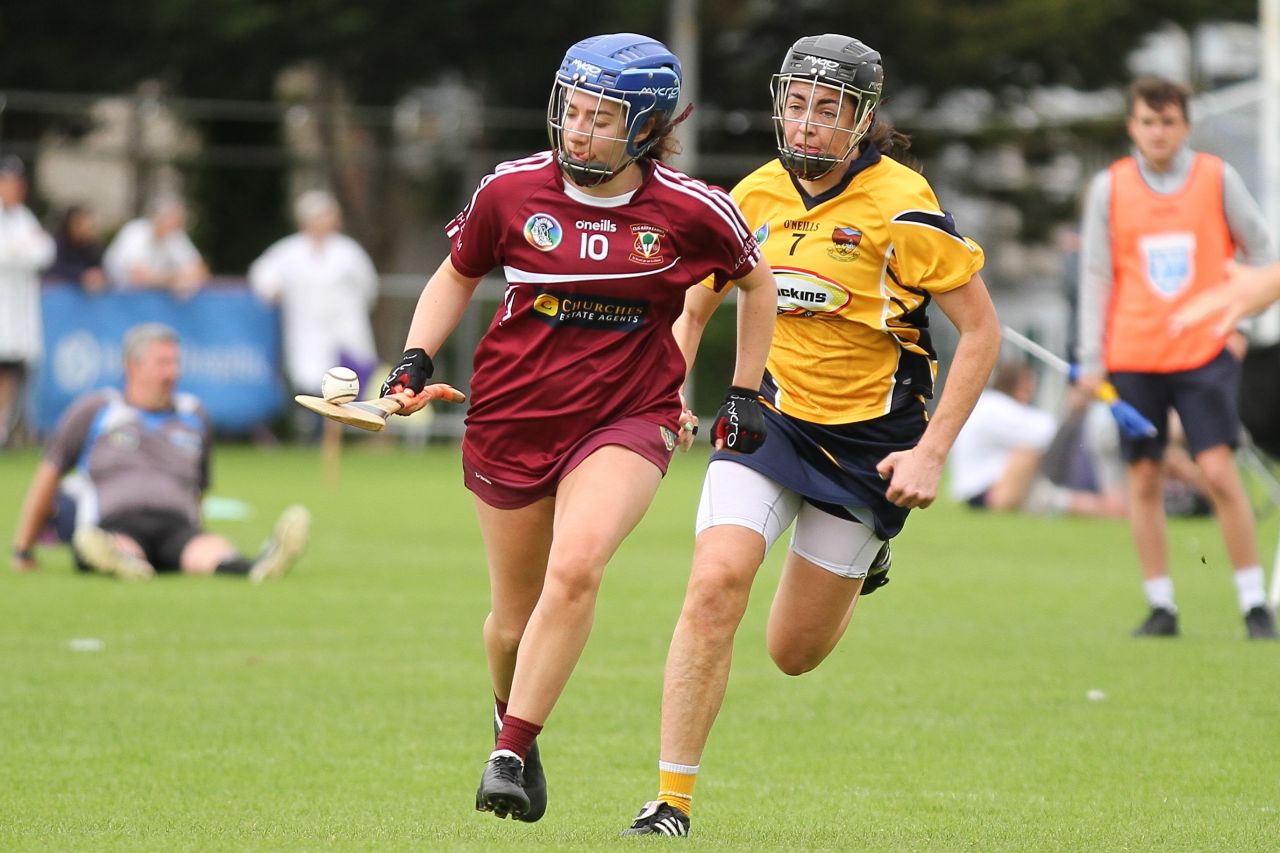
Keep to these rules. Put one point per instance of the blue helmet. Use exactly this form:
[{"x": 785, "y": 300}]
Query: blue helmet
[{"x": 635, "y": 71}]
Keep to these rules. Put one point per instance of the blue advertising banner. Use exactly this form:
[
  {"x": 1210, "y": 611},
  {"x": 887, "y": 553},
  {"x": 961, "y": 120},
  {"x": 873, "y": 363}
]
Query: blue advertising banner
[{"x": 230, "y": 349}]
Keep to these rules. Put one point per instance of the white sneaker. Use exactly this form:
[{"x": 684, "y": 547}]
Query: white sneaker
[
  {"x": 98, "y": 550},
  {"x": 287, "y": 542}
]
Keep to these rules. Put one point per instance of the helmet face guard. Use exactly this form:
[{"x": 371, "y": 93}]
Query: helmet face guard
[
  {"x": 570, "y": 98},
  {"x": 841, "y": 81},
  {"x": 633, "y": 76}
]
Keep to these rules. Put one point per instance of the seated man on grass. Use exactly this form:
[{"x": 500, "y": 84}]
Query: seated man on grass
[
  {"x": 141, "y": 462},
  {"x": 997, "y": 459}
]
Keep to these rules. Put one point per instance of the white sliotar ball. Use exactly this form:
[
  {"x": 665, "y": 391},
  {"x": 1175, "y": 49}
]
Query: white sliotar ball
[{"x": 340, "y": 385}]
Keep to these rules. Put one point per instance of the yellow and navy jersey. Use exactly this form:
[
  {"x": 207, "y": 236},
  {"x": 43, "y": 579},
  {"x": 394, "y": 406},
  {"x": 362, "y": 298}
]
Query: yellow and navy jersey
[{"x": 855, "y": 268}]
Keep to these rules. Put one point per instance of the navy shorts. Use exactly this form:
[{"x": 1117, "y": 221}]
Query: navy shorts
[
  {"x": 834, "y": 466},
  {"x": 162, "y": 535},
  {"x": 1205, "y": 398}
]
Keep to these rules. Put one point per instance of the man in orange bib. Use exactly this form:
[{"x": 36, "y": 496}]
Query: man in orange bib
[{"x": 1159, "y": 227}]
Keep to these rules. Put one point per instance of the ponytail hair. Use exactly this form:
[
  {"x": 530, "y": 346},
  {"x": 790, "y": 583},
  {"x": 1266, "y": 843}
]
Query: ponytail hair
[
  {"x": 666, "y": 144},
  {"x": 890, "y": 141}
]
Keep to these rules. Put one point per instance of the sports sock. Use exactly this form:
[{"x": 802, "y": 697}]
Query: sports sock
[
  {"x": 1160, "y": 593},
  {"x": 501, "y": 708},
  {"x": 675, "y": 785},
  {"x": 1249, "y": 583},
  {"x": 517, "y": 736},
  {"x": 235, "y": 565}
]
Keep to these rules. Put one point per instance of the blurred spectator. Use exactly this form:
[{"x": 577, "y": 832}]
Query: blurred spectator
[
  {"x": 79, "y": 256},
  {"x": 1157, "y": 228},
  {"x": 1068, "y": 241},
  {"x": 325, "y": 285},
  {"x": 996, "y": 461},
  {"x": 25, "y": 249},
  {"x": 1085, "y": 456},
  {"x": 141, "y": 458},
  {"x": 1085, "y": 453},
  {"x": 155, "y": 252}
]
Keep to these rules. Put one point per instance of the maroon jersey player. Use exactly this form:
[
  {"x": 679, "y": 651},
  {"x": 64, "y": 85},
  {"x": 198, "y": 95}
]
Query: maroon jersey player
[
  {"x": 593, "y": 289},
  {"x": 575, "y": 397}
]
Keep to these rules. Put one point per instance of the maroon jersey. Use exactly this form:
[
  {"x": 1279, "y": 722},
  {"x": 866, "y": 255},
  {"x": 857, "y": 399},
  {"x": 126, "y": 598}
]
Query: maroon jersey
[{"x": 583, "y": 335}]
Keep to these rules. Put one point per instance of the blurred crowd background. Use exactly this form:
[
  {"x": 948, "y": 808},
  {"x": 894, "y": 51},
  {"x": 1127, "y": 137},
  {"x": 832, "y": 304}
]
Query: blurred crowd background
[{"x": 205, "y": 127}]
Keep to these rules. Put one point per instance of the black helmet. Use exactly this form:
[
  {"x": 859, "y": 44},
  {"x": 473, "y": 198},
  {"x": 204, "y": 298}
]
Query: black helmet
[{"x": 842, "y": 64}]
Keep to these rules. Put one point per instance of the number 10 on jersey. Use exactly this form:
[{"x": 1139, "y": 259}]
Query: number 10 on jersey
[{"x": 593, "y": 247}]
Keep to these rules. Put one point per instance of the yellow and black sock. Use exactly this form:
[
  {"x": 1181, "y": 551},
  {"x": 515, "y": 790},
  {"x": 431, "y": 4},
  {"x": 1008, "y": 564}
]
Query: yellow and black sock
[{"x": 675, "y": 785}]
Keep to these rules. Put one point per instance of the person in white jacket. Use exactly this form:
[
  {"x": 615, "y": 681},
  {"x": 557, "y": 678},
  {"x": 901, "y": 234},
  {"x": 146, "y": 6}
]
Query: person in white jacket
[
  {"x": 25, "y": 249},
  {"x": 325, "y": 285},
  {"x": 155, "y": 253}
]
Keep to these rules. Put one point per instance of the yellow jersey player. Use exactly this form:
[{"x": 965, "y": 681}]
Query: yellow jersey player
[{"x": 860, "y": 247}]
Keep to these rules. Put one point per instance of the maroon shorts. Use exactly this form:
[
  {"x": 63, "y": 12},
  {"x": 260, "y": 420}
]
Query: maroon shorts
[{"x": 646, "y": 438}]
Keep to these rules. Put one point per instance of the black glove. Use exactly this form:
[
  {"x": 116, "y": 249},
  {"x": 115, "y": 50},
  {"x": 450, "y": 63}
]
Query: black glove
[
  {"x": 413, "y": 371},
  {"x": 740, "y": 421}
]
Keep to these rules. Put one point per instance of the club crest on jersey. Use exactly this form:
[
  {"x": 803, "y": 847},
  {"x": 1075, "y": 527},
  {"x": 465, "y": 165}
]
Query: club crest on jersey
[
  {"x": 844, "y": 244},
  {"x": 126, "y": 439},
  {"x": 762, "y": 234},
  {"x": 1169, "y": 260},
  {"x": 647, "y": 248},
  {"x": 543, "y": 232}
]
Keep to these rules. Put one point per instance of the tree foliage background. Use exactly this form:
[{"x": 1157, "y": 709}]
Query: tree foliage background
[
  {"x": 374, "y": 51},
  {"x": 379, "y": 48}
]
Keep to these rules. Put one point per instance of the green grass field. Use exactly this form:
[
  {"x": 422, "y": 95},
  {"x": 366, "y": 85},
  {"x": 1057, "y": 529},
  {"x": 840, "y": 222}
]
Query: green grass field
[{"x": 347, "y": 706}]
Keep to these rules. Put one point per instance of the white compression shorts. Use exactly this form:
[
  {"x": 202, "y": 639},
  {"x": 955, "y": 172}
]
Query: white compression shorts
[{"x": 736, "y": 494}]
